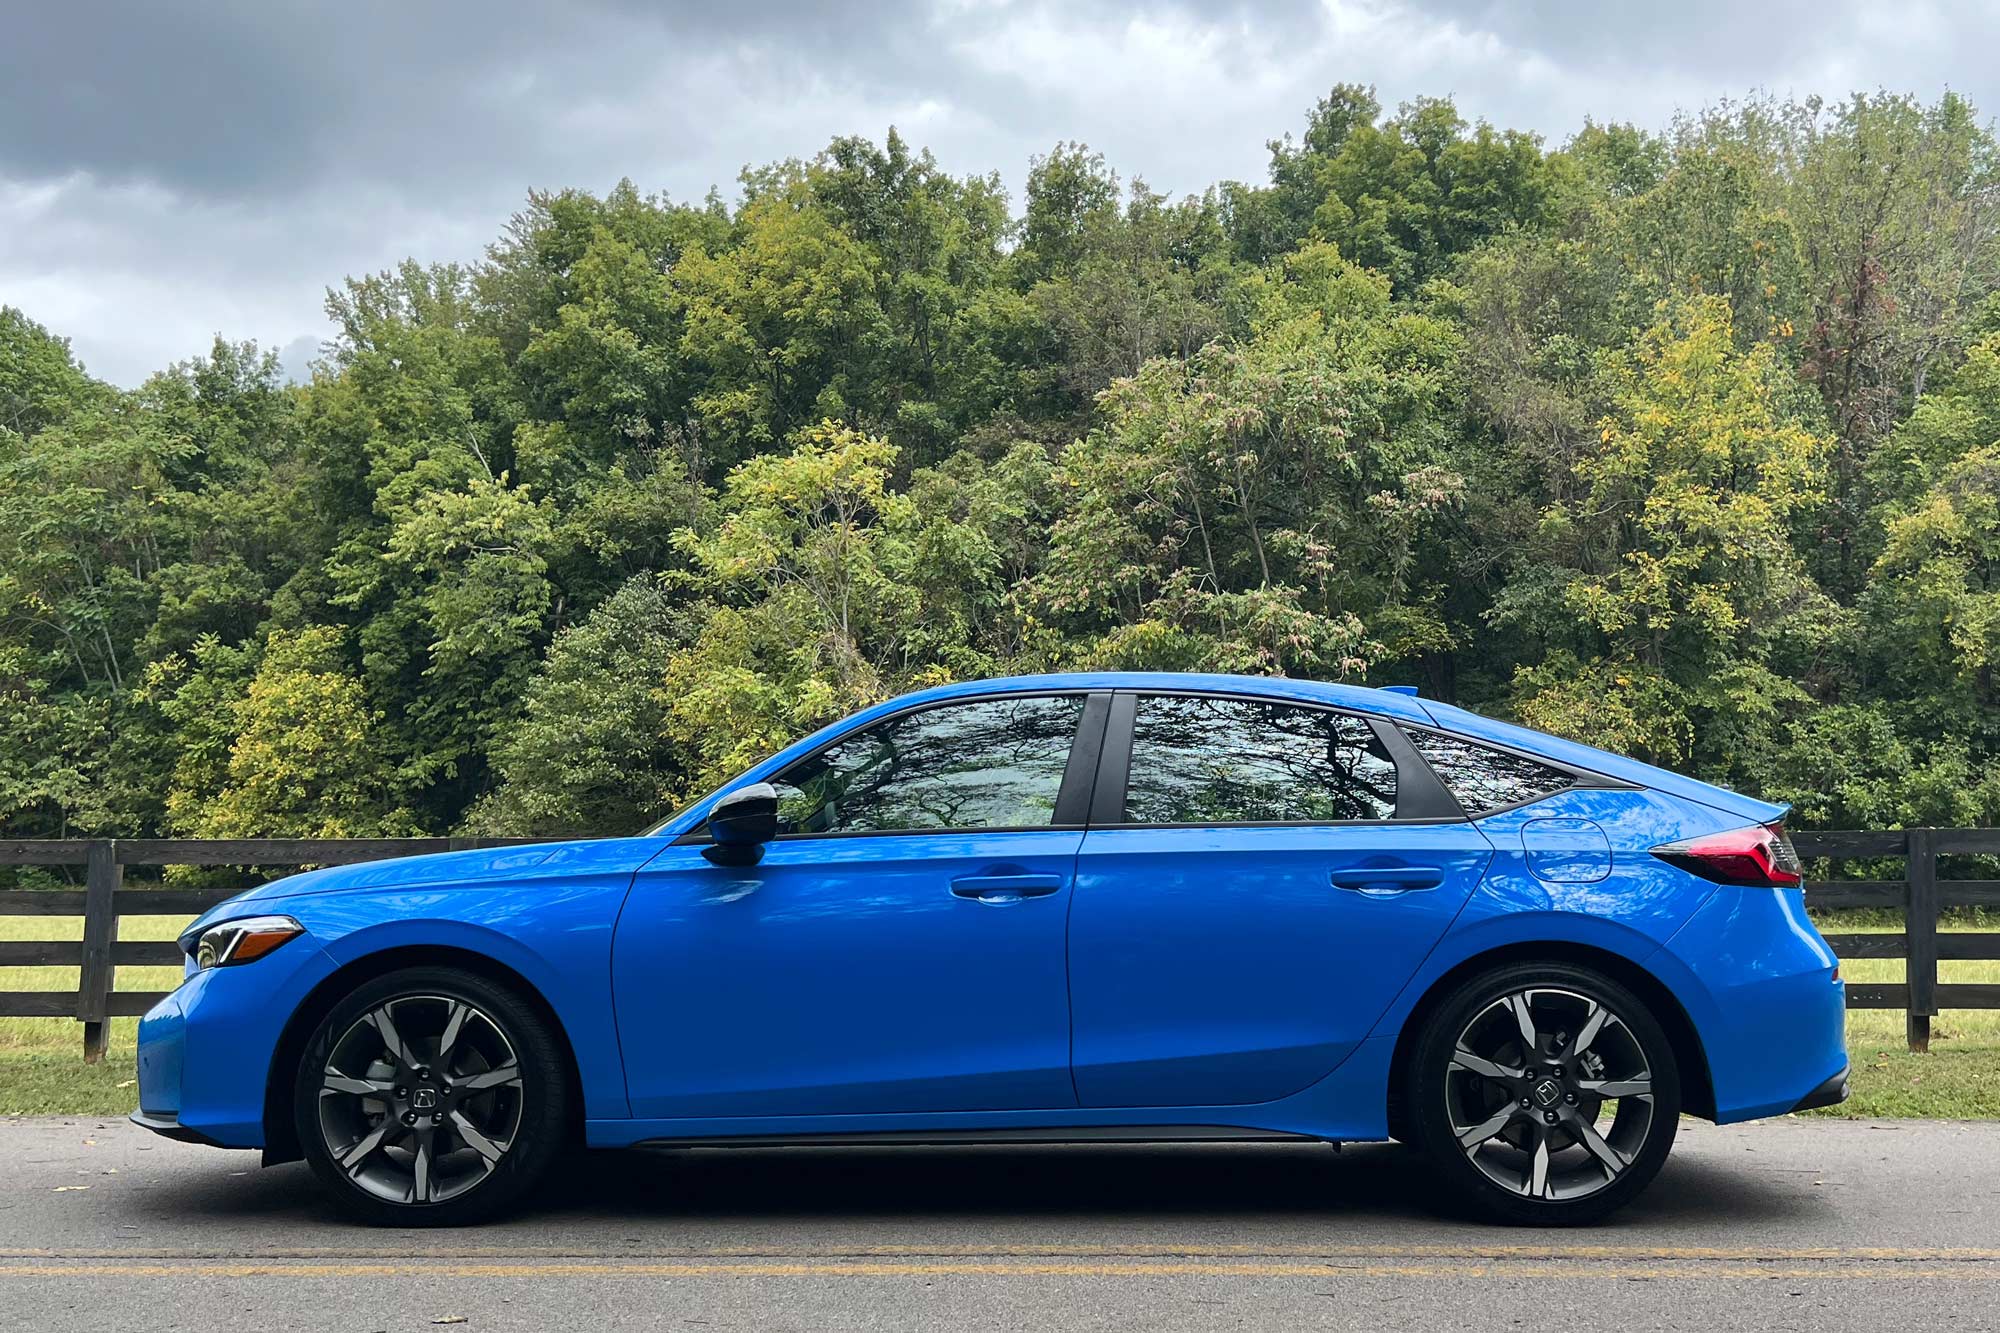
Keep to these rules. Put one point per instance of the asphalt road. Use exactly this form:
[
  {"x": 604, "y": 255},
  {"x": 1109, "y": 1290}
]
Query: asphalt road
[{"x": 1791, "y": 1224}]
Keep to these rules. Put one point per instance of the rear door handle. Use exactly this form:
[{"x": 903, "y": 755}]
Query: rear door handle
[
  {"x": 1385, "y": 880},
  {"x": 998, "y": 889}
]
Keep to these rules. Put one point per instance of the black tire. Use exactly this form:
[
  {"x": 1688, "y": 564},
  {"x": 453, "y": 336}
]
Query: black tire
[
  {"x": 1542, "y": 1167},
  {"x": 530, "y": 1099}
]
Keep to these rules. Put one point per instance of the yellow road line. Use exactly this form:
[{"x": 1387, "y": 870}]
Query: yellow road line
[{"x": 1700, "y": 1271}]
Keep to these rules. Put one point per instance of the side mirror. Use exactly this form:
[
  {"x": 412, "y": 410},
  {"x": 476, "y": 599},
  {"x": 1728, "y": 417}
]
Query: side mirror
[{"x": 741, "y": 823}]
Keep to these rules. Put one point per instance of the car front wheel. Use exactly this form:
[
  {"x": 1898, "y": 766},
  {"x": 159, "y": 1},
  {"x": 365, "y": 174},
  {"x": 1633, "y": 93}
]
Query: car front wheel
[
  {"x": 430, "y": 1097},
  {"x": 1544, "y": 1094}
]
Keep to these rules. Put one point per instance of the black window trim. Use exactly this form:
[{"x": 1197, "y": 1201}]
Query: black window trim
[
  {"x": 1096, "y": 774},
  {"x": 1072, "y": 797},
  {"x": 1421, "y": 797},
  {"x": 1584, "y": 779}
]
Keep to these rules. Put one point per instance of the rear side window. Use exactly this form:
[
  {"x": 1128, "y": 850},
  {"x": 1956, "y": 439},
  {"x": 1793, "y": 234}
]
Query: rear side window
[
  {"x": 1249, "y": 761},
  {"x": 1485, "y": 780}
]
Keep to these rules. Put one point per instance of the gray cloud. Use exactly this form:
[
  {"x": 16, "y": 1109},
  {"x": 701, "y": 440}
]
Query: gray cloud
[
  {"x": 170, "y": 172},
  {"x": 1726, "y": 38}
]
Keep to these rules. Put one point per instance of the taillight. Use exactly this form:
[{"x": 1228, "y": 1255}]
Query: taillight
[{"x": 1760, "y": 856}]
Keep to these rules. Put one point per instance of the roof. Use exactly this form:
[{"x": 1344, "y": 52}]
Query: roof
[{"x": 1360, "y": 698}]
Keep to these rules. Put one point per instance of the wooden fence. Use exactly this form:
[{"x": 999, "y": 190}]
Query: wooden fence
[
  {"x": 1919, "y": 895},
  {"x": 103, "y": 899}
]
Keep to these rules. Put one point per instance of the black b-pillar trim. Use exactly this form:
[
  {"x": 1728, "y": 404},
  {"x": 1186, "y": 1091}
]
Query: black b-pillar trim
[
  {"x": 1107, "y": 797},
  {"x": 1080, "y": 772}
]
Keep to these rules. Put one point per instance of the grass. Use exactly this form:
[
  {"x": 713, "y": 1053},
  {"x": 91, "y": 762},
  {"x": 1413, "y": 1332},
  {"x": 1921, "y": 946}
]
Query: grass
[
  {"x": 42, "y": 1070},
  {"x": 41, "y": 1059},
  {"x": 1960, "y": 1078}
]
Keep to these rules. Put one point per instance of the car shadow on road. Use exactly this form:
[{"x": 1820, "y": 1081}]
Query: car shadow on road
[{"x": 1133, "y": 1183}]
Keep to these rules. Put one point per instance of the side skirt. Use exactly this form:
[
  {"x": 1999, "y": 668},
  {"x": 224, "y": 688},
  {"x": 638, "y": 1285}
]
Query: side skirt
[{"x": 910, "y": 1138}]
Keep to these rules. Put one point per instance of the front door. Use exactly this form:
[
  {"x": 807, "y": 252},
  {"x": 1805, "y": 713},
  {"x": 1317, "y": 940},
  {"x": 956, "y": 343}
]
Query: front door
[
  {"x": 900, "y": 947},
  {"x": 1247, "y": 912}
]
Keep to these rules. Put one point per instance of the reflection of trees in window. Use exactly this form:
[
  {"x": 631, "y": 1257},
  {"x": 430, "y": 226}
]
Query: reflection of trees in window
[
  {"x": 995, "y": 763},
  {"x": 1235, "y": 761},
  {"x": 1484, "y": 779}
]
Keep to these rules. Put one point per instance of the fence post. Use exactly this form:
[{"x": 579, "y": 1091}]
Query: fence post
[
  {"x": 1920, "y": 932},
  {"x": 100, "y": 928}
]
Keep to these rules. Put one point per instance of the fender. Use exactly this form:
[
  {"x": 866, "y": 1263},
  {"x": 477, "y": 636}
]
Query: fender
[
  {"x": 576, "y": 985},
  {"x": 1469, "y": 939}
]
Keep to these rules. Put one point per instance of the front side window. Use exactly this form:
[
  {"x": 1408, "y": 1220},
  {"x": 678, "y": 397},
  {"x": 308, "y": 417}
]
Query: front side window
[
  {"x": 992, "y": 763},
  {"x": 1486, "y": 780},
  {"x": 1202, "y": 760}
]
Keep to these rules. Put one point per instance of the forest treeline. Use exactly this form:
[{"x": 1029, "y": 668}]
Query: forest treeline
[{"x": 1682, "y": 443}]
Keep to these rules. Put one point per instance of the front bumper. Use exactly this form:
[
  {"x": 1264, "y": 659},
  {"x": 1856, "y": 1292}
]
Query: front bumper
[
  {"x": 167, "y": 1124},
  {"x": 205, "y": 1051}
]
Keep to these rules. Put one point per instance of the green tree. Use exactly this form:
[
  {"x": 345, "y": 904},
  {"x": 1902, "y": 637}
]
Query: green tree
[
  {"x": 590, "y": 752},
  {"x": 1675, "y": 553},
  {"x": 783, "y": 328},
  {"x": 307, "y": 758}
]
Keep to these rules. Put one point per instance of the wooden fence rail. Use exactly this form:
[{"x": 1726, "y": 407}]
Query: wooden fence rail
[{"x": 1920, "y": 895}]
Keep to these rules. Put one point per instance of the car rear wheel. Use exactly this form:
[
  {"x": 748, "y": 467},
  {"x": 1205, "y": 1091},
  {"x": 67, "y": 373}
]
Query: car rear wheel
[
  {"x": 430, "y": 1097},
  {"x": 1544, "y": 1094}
]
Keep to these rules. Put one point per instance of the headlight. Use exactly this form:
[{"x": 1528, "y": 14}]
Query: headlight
[{"x": 243, "y": 941}]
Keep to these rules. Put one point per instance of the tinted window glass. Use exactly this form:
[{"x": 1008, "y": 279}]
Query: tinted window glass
[
  {"x": 997, "y": 763},
  {"x": 1246, "y": 761},
  {"x": 1484, "y": 779}
]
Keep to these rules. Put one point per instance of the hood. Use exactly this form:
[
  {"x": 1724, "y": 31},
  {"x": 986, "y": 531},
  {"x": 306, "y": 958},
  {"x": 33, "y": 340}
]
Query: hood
[
  {"x": 457, "y": 867},
  {"x": 403, "y": 871},
  {"x": 1748, "y": 808}
]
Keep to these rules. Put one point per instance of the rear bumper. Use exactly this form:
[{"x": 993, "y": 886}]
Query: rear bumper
[
  {"x": 1830, "y": 1093},
  {"x": 1765, "y": 995}
]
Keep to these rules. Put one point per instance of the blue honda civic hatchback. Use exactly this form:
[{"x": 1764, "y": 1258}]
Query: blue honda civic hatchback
[{"x": 1109, "y": 907}]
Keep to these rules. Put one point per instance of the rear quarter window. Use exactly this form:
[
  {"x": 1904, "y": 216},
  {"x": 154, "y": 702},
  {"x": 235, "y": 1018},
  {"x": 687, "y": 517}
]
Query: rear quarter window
[{"x": 1484, "y": 779}]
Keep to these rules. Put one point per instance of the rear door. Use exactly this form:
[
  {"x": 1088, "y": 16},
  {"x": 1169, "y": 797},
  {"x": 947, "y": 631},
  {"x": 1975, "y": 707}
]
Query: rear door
[{"x": 1259, "y": 880}]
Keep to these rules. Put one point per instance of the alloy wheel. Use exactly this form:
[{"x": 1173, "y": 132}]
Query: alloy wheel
[
  {"x": 1549, "y": 1093},
  {"x": 420, "y": 1099}
]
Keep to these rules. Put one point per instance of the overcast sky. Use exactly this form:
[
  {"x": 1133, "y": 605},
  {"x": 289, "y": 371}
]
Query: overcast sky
[{"x": 169, "y": 171}]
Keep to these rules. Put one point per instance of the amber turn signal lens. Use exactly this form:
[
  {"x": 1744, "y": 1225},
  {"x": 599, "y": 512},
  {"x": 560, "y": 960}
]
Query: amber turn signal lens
[
  {"x": 244, "y": 941},
  {"x": 255, "y": 945}
]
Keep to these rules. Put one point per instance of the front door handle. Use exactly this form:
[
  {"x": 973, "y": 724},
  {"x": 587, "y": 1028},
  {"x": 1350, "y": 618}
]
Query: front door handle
[
  {"x": 996, "y": 890},
  {"x": 1381, "y": 881}
]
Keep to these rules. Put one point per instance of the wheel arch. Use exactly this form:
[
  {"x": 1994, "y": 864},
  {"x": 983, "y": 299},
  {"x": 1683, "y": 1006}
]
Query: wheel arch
[
  {"x": 1697, "y": 1084},
  {"x": 280, "y": 1139}
]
